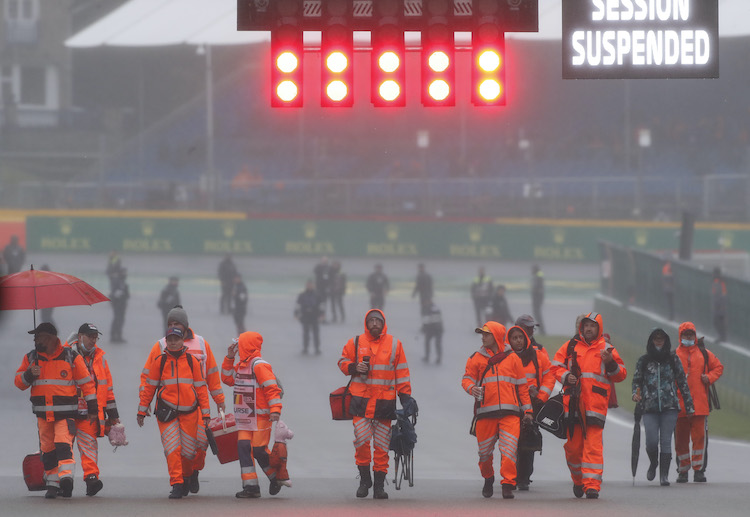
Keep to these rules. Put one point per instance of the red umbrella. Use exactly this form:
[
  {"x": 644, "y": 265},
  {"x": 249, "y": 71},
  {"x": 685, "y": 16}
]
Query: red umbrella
[{"x": 35, "y": 289}]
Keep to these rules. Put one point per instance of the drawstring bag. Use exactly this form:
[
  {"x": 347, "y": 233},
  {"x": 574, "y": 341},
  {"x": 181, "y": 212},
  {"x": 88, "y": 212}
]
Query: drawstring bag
[{"x": 117, "y": 436}]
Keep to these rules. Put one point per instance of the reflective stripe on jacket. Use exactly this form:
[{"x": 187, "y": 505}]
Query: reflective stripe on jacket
[
  {"x": 201, "y": 350},
  {"x": 594, "y": 381},
  {"x": 694, "y": 365},
  {"x": 179, "y": 385},
  {"x": 54, "y": 394},
  {"x": 98, "y": 368},
  {"x": 374, "y": 394},
  {"x": 268, "y": 395},
  {"x": 505, "y": 389}
]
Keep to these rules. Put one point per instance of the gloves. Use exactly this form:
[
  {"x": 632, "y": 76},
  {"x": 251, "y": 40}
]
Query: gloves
[{"x": 408, "y": 404}]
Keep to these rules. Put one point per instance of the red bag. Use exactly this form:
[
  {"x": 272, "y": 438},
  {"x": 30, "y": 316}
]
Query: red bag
[
  {"x": 341, "y": 400},
  {"x": 33, "y": 472},
  {"x": 225, "y": 435}
]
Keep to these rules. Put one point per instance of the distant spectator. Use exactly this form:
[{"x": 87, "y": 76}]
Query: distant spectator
[
  {"x": 481, "y": 294},
  {"x": 499, "y": 309},
  {"x": 322, "y": 272},
  {"x": 114, "y": 268},
  {"x": 537, "y": 295},
  {"x": 14, "y": 255},
  {"x": 432, "y": 327},
  {"x": 239, "y": 303},
  {"x": 226, "y": 273},
  {"x": 378, "y": 286},
  {"x": 423, "y": 287},
  {"x": 338, "y": 290},
  {"x": 169, "y": 297},
  {"x": 119, "y": 296},
  {"x": 308, "y": 311}
]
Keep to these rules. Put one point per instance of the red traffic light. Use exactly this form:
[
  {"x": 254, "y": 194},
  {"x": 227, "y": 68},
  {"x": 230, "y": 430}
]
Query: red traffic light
[{"x": 286, "y": 67}]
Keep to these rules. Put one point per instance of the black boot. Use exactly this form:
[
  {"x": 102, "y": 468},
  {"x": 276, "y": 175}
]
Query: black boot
[
  {"x": 365, "y": 481},
  {"x": 653, "y": 455},
  {"x": 488, "y": 489},
  {"x": 665, "y": 459},
  {"x": 378, "y": 490}
]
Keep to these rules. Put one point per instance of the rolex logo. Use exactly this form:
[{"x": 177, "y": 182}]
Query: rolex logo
[
  {"x": 147, "y": 228},
  {"x": 66, "y": 226},
  {"x": 641, "y": 237},
  {"x": 310, "y": 229},
  {"x": 391, "y": 231},
  {"x": 228, "y": 229},
  {"x": 558, "y": 236},
  {"x": 475, "y": 233}
]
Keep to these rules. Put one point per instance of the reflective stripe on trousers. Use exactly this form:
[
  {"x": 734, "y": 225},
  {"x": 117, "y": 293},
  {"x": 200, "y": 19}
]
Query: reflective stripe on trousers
[
  {"x": 503, "y": 431},
  {"x": 88, "y": 447},
  {"x": 56, "y": 445},
  {"x": 246, "y": 442},
  {"x": 585, "y": 457},
  {"x": 178, "y": 438},
  {"x": 690, "y": 428},
  {"x": 377, "y": 431}
]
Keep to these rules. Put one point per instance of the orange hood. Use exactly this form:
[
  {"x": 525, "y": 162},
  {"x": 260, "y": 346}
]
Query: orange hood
[
  {"x": 594, "y": 316},
  {"x": 499, "y": 333},
  {"x": 385, "y": 326},
  {"x": 685, "y": 325},
  {"x": 249, "y": 345}
]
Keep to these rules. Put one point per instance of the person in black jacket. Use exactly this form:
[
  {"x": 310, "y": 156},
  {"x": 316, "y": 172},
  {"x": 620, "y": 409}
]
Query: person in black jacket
[
  {"x": 657, "y": 377},
  {"x": 499, "y": 307},
  {"x": 226, "y": 272},
  {"x": 169, "y": 297},
  {"x": 378, "y": 286},
  {"x": 119, "y": 297},
  {"x": 14, "y": 255},
  {"x": 422, "y": 287},
  {"x": 239, "y": 303},
  {"x": 432, "y": 327},
  {"x": 308, "y": 311}
]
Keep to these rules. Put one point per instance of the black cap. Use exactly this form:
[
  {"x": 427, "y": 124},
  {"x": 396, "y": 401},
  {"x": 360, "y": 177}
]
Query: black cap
[
  {"x": 46, "y": 328},
  {"x": 88, "y": 328}
]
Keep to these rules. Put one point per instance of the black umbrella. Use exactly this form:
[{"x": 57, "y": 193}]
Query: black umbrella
[{"x": 636, "y": 447}]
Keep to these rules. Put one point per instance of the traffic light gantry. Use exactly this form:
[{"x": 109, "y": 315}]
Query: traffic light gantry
[{"x": 387, "y": 21}]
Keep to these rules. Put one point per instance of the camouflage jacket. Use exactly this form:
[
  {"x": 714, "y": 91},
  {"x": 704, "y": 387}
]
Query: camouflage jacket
[{"x": 659, "y": 382}]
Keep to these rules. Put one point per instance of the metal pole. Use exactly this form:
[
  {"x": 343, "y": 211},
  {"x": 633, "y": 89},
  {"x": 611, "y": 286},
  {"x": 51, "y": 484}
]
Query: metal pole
[{"x": 210, "y": 166}]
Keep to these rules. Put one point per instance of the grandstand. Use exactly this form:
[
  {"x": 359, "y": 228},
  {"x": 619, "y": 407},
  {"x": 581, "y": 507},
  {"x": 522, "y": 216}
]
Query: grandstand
[{"x": 560, "y": 148}]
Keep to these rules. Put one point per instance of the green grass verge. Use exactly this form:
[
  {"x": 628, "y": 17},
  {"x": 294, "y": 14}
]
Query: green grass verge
[{"x": 723, "y": 422}]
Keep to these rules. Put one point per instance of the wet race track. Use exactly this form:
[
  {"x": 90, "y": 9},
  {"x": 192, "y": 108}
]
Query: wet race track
[{"x": 321, "y": 462}]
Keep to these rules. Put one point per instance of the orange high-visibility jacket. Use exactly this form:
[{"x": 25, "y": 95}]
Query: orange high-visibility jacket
[
  {"x": 543, "y": 378},
  {"x": 594, "y": 380},
  {"x": 268, "y": 395},
  {"x": 505, "y": 389},
  {"x": 98, "y": 368},
  {"x": 54, "y": 394},
  {"x": 694, "y": 365},
  {"x": 201, "y": 350},
  {"x": 374, "y": 394},
  {"x": 180, "y": 384}
]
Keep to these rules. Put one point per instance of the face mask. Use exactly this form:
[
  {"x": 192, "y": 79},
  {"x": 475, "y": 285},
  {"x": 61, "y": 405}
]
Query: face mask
[{"x": 687, "y": 342}]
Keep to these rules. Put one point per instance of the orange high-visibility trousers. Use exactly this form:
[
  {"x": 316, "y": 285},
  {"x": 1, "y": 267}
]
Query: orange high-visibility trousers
[
  {"x": 690, "y": 428},
  {"x": 86, "y": 438},
  {"x": 377, "y": 431},
  {"x": 56, "y": 444},
  {"x": 254, "y": 445},
  {"x": 178, "y": 438},
  {"x": 585, "y": 457},
  {"x": 200, "y": 452},
  {"x": 503, "y": 431}
]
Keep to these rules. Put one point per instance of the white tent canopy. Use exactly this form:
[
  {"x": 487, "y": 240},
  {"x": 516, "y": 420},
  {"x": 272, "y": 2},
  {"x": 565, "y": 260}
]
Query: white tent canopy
[{"x": 143, "y": 23}]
